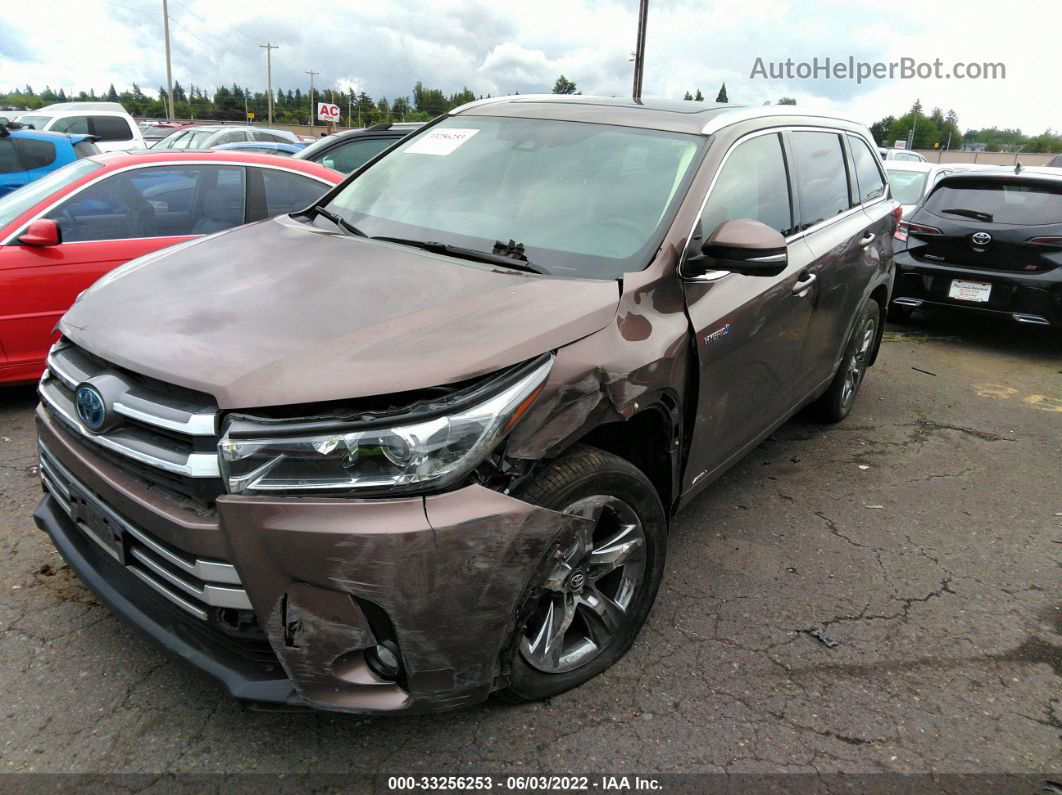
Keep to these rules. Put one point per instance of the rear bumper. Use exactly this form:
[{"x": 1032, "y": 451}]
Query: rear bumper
[
  {"x": 441, "y": 576},
  {"x": 1026, "y": 297}
]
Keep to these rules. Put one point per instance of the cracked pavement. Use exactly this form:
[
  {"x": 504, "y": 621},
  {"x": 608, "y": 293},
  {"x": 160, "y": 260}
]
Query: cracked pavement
[{"x": 923, "y": 534}]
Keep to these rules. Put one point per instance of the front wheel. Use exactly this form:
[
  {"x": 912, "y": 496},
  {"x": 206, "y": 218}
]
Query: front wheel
[
  {"x": 839, "y": 397},
  {"x": 598, "y": 592}
]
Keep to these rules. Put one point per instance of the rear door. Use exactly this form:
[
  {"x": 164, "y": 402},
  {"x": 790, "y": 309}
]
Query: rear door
[
  {"x": 844, "y": 243},
  {"x": 114, "y": 133},
  {"x": 748, "y": 330}
]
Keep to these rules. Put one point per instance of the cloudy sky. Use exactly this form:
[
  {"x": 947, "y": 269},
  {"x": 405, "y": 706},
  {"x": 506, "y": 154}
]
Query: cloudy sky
[{"x": 503, "y": 46}]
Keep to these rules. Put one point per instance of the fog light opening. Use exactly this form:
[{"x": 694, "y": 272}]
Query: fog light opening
[{"x": 385, "y": 660}]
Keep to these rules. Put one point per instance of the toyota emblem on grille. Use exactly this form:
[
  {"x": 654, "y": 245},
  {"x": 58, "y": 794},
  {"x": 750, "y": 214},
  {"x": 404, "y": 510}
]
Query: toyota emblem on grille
[
  {"x": 981, "y": 238},
  {"x": 91, "y": 409}
]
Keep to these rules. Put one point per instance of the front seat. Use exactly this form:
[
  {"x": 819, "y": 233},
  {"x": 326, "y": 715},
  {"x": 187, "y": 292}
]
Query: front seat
[{"x": 218, "y": 213}]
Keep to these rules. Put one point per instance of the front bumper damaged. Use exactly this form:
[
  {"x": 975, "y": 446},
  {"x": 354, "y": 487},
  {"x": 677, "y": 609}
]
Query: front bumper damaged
[{"x": 442, "y": 577}]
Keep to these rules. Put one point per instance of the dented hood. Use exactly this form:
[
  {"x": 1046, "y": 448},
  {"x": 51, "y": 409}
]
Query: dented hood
[{"x": 277, "y": 313}]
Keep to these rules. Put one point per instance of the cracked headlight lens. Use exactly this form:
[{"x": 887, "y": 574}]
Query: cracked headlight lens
[{"x": 400, "y": 457}]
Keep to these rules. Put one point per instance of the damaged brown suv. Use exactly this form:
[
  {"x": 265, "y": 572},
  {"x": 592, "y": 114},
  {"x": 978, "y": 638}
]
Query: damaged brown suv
[{"x": 421, "y": 442}]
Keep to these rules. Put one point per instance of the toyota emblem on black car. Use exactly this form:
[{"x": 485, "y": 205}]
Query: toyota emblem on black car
[{"x": 981, "y": 238}]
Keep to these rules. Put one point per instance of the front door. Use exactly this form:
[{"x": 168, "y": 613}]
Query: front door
[{"x": 749, "y": 330}]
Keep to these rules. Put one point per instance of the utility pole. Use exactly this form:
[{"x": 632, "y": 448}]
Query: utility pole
[
  {"x": 169, "y": 70},
  {"x": 268, "y": 47},
  {"x": 350, "y": 99},
  {"x": 312, "y": 74},
  {"x": 639, "y": 53}
]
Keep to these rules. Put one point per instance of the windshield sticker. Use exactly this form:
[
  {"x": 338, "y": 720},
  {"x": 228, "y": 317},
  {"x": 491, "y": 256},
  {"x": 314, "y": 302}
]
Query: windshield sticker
[{"x": 439, "y": 142}]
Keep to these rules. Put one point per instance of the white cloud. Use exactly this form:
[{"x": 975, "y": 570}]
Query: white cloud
[{"x": 384, "y": 46}]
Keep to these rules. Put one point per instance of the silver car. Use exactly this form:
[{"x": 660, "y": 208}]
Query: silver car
[{"x": 208, "y": 136}]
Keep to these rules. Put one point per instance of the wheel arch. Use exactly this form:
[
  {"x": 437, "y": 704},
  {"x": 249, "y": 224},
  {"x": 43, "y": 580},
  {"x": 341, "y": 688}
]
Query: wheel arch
[{"x": 651, "y": 440}]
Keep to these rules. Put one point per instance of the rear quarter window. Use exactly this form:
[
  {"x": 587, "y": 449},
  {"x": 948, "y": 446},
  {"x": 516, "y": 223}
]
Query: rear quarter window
[
  {"x": 8, "y": 161},
  {"x": 1024, "y": 203},
  {"x": 111, "y": 128}
]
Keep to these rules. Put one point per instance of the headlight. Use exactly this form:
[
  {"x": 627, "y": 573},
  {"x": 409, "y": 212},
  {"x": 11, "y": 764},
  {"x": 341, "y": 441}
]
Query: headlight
[{"x": 404, "y": 455}]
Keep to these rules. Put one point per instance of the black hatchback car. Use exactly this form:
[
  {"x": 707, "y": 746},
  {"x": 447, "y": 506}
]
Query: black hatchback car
[{"x": 989, "y": 241}]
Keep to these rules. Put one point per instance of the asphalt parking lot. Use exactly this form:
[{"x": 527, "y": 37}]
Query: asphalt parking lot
[{"x": 923, "y": 535}]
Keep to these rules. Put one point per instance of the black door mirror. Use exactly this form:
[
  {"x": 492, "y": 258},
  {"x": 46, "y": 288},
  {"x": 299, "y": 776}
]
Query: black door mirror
[{"x": 740, "y": 246}]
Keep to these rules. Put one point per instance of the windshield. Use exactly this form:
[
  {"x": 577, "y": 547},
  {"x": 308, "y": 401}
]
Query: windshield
[
  {"x": 906, "y": 185},
  {"x": 585, "y": 200},
  {"x": 1025, "y": 203},
  {"x": 34, "y": 122},
  {"x": 17, "y": 202}
]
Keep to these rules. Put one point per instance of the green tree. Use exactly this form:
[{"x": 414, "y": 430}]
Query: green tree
[
  {"x": 880, "y": 130},
  {"x": 687, "y": 96},
  {"x": 563, "y": 86},
  {"x": 698, "y": 96},
  {"x": 112, "y": 95},
  {"x": 787, "y": 101},
  {"x": 721, "y": 96}
]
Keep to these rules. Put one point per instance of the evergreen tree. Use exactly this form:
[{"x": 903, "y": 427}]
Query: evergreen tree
[
  {"x": 563, "y": 86},
  {"x": 721, "y": 96},
  {"x": 698, "y": 96}
]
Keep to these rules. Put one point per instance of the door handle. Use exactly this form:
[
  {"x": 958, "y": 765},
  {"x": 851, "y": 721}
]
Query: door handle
[
  {"x": 804, "y": 283},
  {"x": 868, "y": 238}
]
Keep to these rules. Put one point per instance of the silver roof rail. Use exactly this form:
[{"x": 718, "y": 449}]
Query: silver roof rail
[{"x": 728, "y": 117}]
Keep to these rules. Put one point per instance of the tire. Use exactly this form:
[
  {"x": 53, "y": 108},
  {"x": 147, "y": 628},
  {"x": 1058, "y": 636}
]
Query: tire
[
  {"x": 840, "y": 396},
  {"x": 898, "y": 313},
  {"x": 579, "y": 482}
]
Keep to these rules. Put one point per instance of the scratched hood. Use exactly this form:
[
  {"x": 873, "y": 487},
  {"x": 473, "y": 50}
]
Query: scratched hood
[{"x": 278, "y": 313}]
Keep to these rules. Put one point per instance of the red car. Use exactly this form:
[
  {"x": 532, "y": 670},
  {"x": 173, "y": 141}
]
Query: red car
[{"x": 62, "y": 232}]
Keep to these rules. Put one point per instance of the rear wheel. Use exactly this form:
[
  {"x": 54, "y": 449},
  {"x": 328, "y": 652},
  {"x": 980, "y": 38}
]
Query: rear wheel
[
  {"x": 587, "y": 612},
  {"x": 839, "y": 398}
]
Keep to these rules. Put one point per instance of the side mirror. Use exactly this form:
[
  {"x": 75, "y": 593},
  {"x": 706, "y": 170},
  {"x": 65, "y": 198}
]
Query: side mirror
[
  {"x": 740, "y": 246},
  {"x": 42, "y": 232}
]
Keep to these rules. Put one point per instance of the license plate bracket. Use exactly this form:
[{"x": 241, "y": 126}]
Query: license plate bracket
[
  {"x": 964, "y": 290},
  {"x": 99, "y": 527}
]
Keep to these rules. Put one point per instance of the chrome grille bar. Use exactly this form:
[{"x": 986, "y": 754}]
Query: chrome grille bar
[{"x": 191, "y": 583}]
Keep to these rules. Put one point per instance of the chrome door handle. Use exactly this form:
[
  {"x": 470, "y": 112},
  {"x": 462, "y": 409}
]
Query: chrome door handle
[
  {"x": 804, "y": 283},
  {"x": 868, "y": 238}
]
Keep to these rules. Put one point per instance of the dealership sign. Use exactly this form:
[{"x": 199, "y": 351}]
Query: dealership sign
[{"x": 326, "y": 111}]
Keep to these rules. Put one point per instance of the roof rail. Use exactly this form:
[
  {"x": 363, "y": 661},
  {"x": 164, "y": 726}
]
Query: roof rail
[
  {"x": 738, "y": 114},
  {"x": 491, "y": 100}
]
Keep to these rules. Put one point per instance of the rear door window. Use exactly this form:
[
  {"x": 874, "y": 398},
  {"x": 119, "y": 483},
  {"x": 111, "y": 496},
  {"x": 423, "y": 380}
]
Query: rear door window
[
  {"x": 8, "y": 160},
  {"x": 1024, "y": 203},
  {"x": 260, "y": 135},
  {"x": 820, "y": 176},
  {"x": 72, "y": 124},
  {"x": 868, "y": 175},
  {"x": 287, "y": 193},
  {"x": 34, "y": 154},
  {"x": 160, "y": 201},
  {"x": 752, "y": 184},
  {"x": 231, "y": 137},
  {"x": 111, "y": 128},
  {"x": 353, "y": 155}
]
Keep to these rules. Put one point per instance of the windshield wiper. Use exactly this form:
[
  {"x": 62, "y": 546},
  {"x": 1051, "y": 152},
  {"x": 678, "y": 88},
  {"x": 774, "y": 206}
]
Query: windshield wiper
[
  {"x": 472, "y": 254},
  {"x": 976, "y": 214},
  {"x": 342, "y": 223}
]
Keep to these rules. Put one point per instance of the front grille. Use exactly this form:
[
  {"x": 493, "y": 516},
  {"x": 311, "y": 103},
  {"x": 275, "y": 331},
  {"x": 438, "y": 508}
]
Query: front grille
[
  {"x": 158, "y": 432},
  {"x": 205, "y": 589}
]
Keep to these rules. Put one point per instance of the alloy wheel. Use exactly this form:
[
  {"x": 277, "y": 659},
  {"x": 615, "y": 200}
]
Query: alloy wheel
[
  {"x": 857, "y": 363},
  {"x": 587, "y": 595}
]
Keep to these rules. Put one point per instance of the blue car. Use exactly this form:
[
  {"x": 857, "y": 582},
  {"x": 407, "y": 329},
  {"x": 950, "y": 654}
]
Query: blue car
[
  {"x": 261, "y": 147},
  {"x": 26, "y": 155}
]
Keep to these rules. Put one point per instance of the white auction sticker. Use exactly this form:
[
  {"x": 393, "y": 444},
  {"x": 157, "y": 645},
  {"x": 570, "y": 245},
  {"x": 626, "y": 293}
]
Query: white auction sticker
[{"x": 439, "y": 142}]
